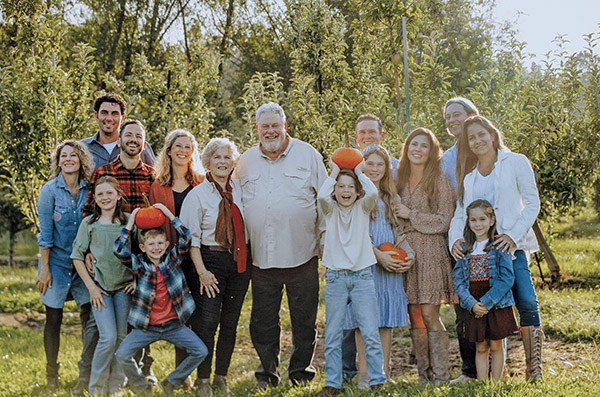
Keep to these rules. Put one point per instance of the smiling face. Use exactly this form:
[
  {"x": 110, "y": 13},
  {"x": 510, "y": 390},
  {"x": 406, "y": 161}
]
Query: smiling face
[
  {"x": 106, "y": 196},
  {"x": 109, "y": 118},
  {"x": 480, "y": 140},
  {"x": 418, "y": 150},
  {"x": 345, "y": 191},
  {"x": 132, "y": 140},
  {"x": 455, "y": 117},
  {"x": 271, "y": 132},
  {"x": 155, "y": 246},
  {"x": 367, "y": 134},
  {"x": 374, "y": 167},
  {"x": 221, "y": 163},
  {"x": 480, "y": 223},
  {"x": 181, "y": 151},
  {"x": 68, "y": 160}
]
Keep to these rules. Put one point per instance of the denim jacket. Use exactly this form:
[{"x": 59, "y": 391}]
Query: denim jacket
[
  {"x": 501, "y": 281},
  {"x": 59, "y": 216}
]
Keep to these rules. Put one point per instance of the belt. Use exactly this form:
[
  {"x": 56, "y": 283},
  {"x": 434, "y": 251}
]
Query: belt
[{"x": 216, "y": 248}]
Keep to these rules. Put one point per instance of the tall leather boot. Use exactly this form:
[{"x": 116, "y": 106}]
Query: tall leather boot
[
  {"x": 438, "y": 356},
  {"x": 52, "y": 376},
  {"x": 533, "y": 337},
  {"x": 421, "y": 349}
]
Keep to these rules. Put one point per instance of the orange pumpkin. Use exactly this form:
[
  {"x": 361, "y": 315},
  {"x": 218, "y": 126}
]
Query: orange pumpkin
[
  {"x": 400, "y": 253},
  {"x": 149, "y": 217},
  {"x": 347, "y": 157}
]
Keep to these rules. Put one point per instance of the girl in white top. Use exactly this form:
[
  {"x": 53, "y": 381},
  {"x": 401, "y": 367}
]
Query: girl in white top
[{"x": 346, "y": 200}]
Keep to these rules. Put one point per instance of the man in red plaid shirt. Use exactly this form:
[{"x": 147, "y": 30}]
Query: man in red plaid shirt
[{"x": 134, "y": 176}]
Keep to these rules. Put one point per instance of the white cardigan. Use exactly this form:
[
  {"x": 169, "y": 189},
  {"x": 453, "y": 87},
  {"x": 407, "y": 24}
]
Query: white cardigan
[{"x": 517, "y": 202}]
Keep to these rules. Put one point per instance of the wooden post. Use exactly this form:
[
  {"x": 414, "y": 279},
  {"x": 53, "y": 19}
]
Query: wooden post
[{"x": 548, "y": 255}]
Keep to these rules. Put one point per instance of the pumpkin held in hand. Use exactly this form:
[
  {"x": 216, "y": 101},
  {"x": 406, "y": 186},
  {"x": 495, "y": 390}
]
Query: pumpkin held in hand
[
  {"x": 149, "y": 217},
  {"x": 389, "y": 247},
  {"x": 347, "y": 157}
]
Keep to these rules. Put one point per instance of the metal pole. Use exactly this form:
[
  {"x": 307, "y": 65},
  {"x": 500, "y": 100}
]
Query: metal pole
[{"x": 404, "y": 43}]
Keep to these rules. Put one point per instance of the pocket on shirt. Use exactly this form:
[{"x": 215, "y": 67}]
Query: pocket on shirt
[
  {"x": 297, "y": 180},
  {"x": 248, "y": 183}
]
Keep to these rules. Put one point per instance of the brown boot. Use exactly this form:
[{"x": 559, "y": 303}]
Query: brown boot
[
  {"x": 532, "y": 343},
  {"x": 438, "y": 355},
  {"x": 421, "y": 348}
]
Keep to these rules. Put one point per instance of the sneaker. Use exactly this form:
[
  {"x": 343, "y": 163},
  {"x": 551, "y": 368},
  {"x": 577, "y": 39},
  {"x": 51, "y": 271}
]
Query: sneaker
[
  {"x": 461, "y": 379},
  {"x": 363, "y": 381},
  {"x": 330, "y": 391},
  {"x": 81, "y": 387},
  {"x": 203, "y": 387},
  {"x": 220, "y": 383},
  {"x": 150, "y": 377},
  {"x": 167, "y": 388}
]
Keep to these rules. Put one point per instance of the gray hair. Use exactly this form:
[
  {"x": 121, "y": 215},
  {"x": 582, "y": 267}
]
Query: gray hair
[
  {"x": 469, "y": 107},
  {"x": 215, "y": 144},
  {"x": 270, "y": 107}
]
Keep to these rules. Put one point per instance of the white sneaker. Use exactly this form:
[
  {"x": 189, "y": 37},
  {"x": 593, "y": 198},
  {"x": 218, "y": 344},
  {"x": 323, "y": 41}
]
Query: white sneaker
[{"x": 461, "y": 379}]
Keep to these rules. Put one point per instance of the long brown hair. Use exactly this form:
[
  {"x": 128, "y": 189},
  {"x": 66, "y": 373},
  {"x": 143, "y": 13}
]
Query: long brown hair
[
  {"x": 466, "y": 159},
  {"x": 163, "y": 171},
  {"x": 468, "y": 234},
  {"x": 432, "y": 172},
  {"x": 387, "y": 189},
  {"x": 118, "y": 215}
]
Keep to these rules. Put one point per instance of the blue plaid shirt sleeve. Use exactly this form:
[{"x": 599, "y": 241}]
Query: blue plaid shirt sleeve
[{"x": 184, "y": 241}]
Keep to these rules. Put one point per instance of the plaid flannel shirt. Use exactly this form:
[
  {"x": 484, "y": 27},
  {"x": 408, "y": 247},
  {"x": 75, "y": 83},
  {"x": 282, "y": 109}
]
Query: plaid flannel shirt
[
  {"x": 144, "y": 276},
  {"x": 133, "y": 182}
]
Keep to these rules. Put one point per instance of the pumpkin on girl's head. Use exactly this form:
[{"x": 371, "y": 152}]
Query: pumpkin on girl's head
[
  {"x": 389, "y": 247},
  {"x": 347, "y": 157},
  {"x": 149, "y": 218}
]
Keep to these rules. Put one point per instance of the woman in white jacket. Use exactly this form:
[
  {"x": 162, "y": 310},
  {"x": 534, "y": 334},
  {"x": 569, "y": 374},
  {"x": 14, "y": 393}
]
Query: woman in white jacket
[{"x": 487, "y": 170}]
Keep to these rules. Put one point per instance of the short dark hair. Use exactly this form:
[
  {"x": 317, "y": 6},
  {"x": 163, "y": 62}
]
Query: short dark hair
[
  {"x": 149, "y": 233},
  {"x": 130, "y": 122},
  {"x": 372, "y": 117},
  {"x": 110, "y": 97}
]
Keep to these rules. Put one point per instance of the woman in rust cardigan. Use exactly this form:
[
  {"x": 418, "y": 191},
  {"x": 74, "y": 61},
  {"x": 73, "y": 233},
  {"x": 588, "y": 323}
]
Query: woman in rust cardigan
[{"x": 177, "y": 170}]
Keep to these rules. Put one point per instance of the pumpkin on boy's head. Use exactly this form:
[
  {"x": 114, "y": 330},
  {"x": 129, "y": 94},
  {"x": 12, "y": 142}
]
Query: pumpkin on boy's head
[
  {"x": 389, "y": 247},
  {"x": 149, "y": 218},
  {"x": 347, "y": 158}
]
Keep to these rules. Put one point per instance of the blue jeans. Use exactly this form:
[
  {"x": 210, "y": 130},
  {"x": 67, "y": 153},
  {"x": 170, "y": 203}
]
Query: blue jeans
[
  {"x": 106, "y": 375},
  {"x": 171, "y": 331},
  {"x": 359, "y": 288},
  {"x": 524, "y": 292},
  {"x": 349, "y": 355}
]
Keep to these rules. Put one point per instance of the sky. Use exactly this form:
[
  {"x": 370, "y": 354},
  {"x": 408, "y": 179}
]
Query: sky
[{"x": 541, "y": 20}]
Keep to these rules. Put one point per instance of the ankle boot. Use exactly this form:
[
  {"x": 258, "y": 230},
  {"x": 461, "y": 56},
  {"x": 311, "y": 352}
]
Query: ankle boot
[
  {"x": 52, "y": 376},
  {"x": 438, "y": 355},
  {"x": 421, "y": 349},
  {"x": 533, "y": 337},
  {"x": 220, "y": 383}
]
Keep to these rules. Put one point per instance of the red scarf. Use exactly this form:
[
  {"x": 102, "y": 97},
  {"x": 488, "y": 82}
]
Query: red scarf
[{"x": 229, "y": 231}]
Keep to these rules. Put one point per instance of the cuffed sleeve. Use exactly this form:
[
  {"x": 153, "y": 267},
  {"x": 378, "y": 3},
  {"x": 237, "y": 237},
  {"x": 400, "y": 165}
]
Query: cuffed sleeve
[{"x": 45, "y": 207}]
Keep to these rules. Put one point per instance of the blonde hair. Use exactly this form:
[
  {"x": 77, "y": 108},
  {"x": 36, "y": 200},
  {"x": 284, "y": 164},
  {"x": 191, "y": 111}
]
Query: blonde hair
[
  {"x": 387, "y": 189},
  {"x": 163, "y": 172},
  {"x": 86, "y": 161}
]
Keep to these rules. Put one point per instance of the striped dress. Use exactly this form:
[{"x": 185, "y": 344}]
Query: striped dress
[{"x": 389, "y": 287}]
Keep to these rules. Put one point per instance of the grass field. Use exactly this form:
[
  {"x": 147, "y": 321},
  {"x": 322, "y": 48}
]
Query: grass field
[{"x": 570, "y": 316}]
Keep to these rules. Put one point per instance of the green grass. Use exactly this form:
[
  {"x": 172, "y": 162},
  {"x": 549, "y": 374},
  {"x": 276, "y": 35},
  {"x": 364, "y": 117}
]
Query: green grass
[{"x": 25, "y": 245}]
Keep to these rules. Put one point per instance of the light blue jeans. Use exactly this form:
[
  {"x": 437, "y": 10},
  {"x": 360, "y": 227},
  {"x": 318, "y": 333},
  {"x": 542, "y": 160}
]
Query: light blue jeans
[
  {"x": 359, "y": 288},
  {"x": 106, "y": 375},
  {"x": 171, "y": 331}
]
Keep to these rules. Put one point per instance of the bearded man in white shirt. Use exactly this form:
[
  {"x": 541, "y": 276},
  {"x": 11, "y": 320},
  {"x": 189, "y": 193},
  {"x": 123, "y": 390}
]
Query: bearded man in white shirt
[{"x": 280, "y": 179}]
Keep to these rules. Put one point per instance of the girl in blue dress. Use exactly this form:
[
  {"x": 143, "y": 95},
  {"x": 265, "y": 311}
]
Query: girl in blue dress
[{"x": 384, "y": 227}]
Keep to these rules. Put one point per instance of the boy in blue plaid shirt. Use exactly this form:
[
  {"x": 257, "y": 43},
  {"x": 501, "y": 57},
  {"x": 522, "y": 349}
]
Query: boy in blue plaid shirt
[{"x": 161, "y": 302}]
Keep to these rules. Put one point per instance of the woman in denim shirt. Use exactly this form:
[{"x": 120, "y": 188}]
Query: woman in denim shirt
[{"x": 60, "y": 206}]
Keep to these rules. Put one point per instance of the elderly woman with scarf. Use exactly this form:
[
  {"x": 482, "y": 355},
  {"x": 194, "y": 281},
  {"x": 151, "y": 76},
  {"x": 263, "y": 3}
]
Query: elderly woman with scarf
[{"x": 213, "y": 213}]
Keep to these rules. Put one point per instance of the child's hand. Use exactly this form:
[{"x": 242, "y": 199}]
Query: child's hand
[
  {"x": 96, "y": 297},
  {"x": 358, "y": 169},
  {"x": 129, "y": 288},
  {"x": 479, "y": 310},
  {"x": 131, "y": 220},
  {"x": 335, "y": 169},
  {"x": 165, "y": 210}
]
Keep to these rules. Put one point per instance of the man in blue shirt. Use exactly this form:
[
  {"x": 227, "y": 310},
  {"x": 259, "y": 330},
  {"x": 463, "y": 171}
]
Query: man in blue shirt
[
  {"x": 109, "y": 112},
  {"x": 456, "y": 111}
]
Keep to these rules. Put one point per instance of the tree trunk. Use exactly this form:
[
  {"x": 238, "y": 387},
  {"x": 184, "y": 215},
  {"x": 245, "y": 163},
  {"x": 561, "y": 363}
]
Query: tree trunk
[
  {"x": 548, "y": 255},
  {"x": 11, "y": 246}
]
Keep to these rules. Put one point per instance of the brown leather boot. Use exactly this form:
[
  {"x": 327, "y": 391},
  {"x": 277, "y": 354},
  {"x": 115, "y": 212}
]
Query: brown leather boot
[
  {"x": 438, "y": 355},
  {"x": 421, "y": 348},
  {"x": 533, "y": 337}
]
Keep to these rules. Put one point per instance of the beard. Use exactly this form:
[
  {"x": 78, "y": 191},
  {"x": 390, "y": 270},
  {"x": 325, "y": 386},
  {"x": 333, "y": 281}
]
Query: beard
[
  {"x": 272, "y": 146},
  {"x": 131, "y": 151}
]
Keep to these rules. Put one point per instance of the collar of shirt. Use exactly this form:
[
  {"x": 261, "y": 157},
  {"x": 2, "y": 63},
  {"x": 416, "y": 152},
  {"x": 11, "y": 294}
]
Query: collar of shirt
[
  {"x": 61, "y": 183},
  {"x": 288, "y": 142},
  {"x": 140, "y": 165}
]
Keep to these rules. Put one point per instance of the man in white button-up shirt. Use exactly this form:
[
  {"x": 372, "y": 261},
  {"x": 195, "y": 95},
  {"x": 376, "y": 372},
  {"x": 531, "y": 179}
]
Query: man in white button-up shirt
[{"x": 280, "y": 179}]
